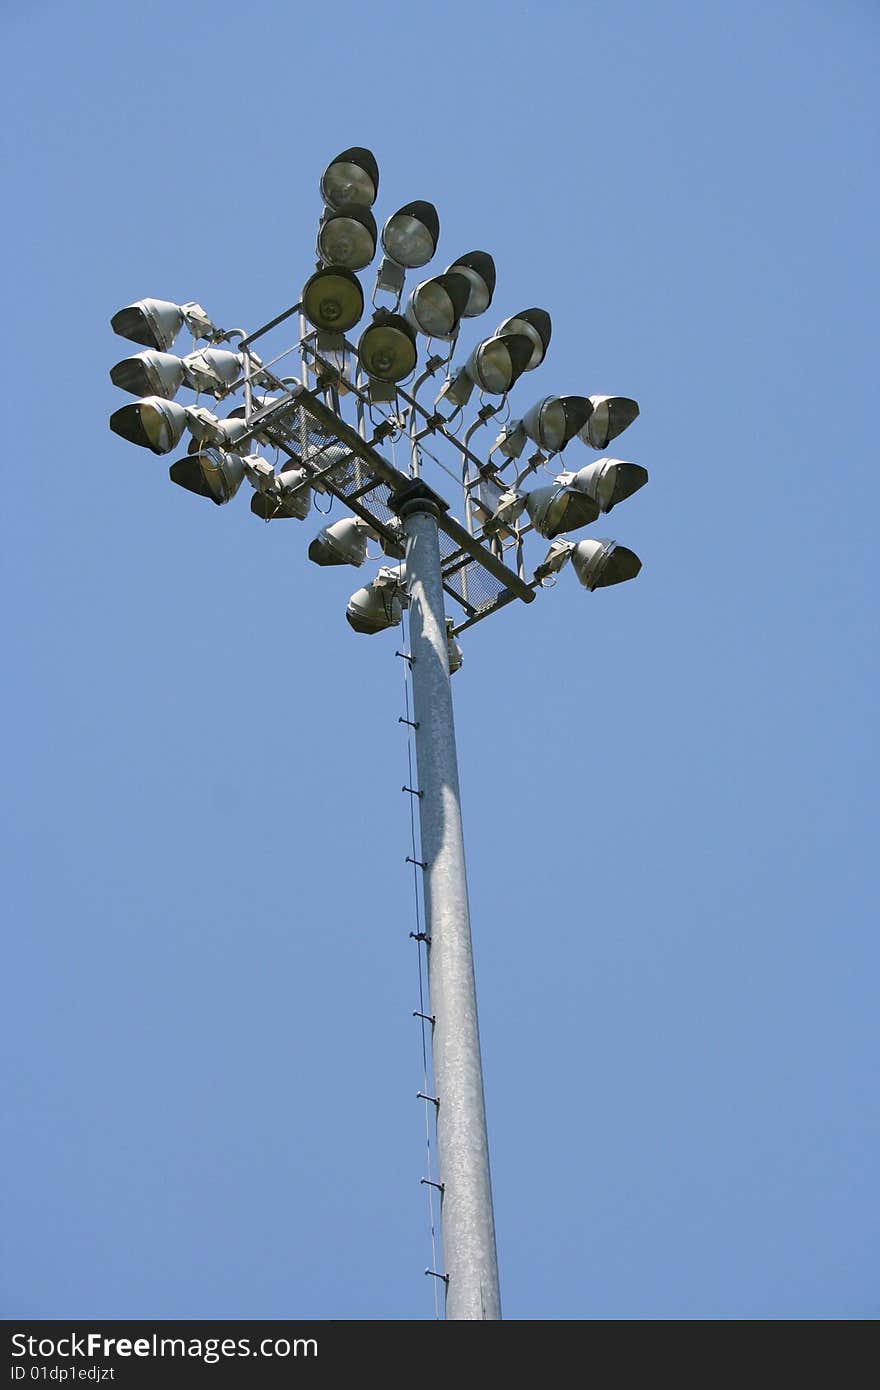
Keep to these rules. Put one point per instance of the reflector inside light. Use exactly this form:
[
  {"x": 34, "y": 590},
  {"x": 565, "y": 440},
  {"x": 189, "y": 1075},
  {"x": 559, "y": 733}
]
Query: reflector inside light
[
  {"x": 352, "y": 177},
  {"x": 154, "y": 423},
  {"x": 478, "y": 268},
  {"x": 536, "y": 325},
  {"x": 347, "y": 237},
  {"x": 333, "y": 300},
  {"x": 411, "y": 234},
  {"x": 387, "y": 348}
]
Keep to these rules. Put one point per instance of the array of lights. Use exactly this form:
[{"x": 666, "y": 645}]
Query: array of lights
[{"x": 499, "y": 510}]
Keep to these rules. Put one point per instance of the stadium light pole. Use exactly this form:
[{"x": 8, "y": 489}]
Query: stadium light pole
[
  {"x": 467, "y": 1217},
  {"x": 479, "y": 565}
]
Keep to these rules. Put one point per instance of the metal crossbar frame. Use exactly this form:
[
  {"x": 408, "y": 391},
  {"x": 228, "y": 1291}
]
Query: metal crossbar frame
[{"x": 304, "y": 428}]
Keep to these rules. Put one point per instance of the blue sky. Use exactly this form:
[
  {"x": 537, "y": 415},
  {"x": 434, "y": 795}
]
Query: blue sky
[{"x": 669, "y": 787}]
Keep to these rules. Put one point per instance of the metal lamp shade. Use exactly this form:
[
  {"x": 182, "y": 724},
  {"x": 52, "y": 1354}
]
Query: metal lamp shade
[
  {"x": 373, "y": 609},
  {"x": 599, "y": 563},
  {"x": 290, "y": 497},
  {"x": 352, "y": 177},
  {"x": 436, "y": 306},
  {"x": 555, "y": 420},
  {"x": 478, "y": 268},
  {"x": 210, "y": 474},
  {"x": 149, "y": 374},
  {"x": 347, "y": 237},
  {"x": 220, "y": 434},
  {"x": 153, "y": 322},
  {"x": 154, "y": 423},
  {"x": 333, "y": 299},
  {"x": 343, "y": 543},
  {"x": 535, "y": 324},
  {"x": 410, "y": 235},
  {"x": 611, "y": 416},
  {"x": 610, "y": 481},
  {"x": 296, "y": 496},
  {"x": 213, "y": 369},
  {"x": 496, "y": 363},
  {"x": 387, "y": 348},
  {"x": 554, "y": 509}
]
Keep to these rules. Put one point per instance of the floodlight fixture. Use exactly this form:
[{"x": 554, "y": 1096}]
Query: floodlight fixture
[
  {"x": 157, "y": 322},
  {"x": 205, "y": 427},
  {"x": 352, "y": 177},
  {"x": 478, "y": 268},
  {"x": 347, "y": 236},
  {"x": 378, "y": 605},
  {"x": 332, "y": 299},
  {"x": 213, "y": 369},
  {"x": 608, "y": 481},
  {"x": 387, "y": 347},
  {"x": 285, "y": 494},
  {"x": 155, "y": 423},
  {"x": 209, "y": 473},
  {"x": 292, "y": 486},
  {"x": 611, "y": 416},
  {"x": 410, "y": 236},
  {"x": 496, "y": 363},
  {"x": 149, "y": 373},
  {"x": 436, "y": 306},
  {"x": 555, "y": 420},
  {"x": 599, "y": 563},
  {"x": 343, "y": 543},
  {"x": 536, "y": 325},
  {"x": 557, "y": 508}
]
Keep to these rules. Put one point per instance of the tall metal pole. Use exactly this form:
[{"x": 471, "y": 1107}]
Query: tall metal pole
[{"x": 467, "y": 1223}]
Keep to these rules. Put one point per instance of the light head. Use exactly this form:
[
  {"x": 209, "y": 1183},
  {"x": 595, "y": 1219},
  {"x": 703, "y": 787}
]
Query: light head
[
  {"x": 557, "y": 508},
  {"x": 387, "y": 347},
  {"x": 332, "y": 299},
  {"x": 378, "y": 605},
  {"x": 609, "y": 481},
  {"x": 155, "y": 423},
  {"x": 343, "y": 543},
  {"x": 209, "y": 473},
  {"x": 352, "y": 177},
  {"x": 208, "y": 430},
  {"x": 157, "y": 322},
  {"x": 410, "y": 236},
  {"x": 436, "y": 306},
  {"x": 213, "y": 369},
  {"x": 283, "y": 495},
  {"x": 599, "y": 563},
  {"x": 536, "y": 325},
  {"x": 149, "y": 374},
  {"x": 611, "y": 416},
  {"x": 555, "y": 420},
  {"x": 478, "y": 268},
  {"x": 347, "y": 236}
]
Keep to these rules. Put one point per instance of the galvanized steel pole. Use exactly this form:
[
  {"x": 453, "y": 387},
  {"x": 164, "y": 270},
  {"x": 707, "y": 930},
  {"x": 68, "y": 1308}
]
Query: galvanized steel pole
[{"x": 467, "y": 1223}]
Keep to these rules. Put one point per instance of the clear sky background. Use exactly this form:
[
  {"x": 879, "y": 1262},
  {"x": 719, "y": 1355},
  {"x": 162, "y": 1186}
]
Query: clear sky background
[{"x": 669, "y": 787}]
